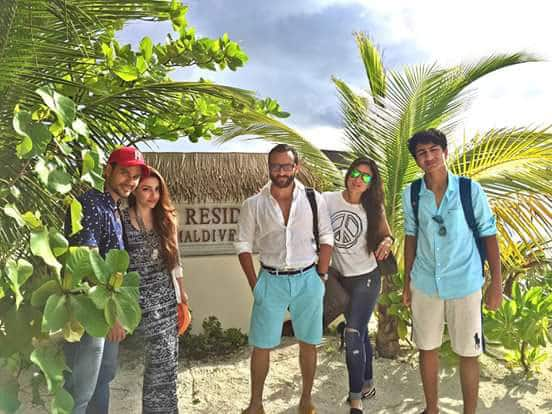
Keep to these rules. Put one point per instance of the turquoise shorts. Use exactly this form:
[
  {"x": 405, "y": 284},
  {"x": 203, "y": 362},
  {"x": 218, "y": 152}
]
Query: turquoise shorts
[{"x": 302, "y": 293}]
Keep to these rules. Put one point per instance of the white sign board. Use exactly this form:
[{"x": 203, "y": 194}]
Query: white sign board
[{"x": 207, "y": 229}]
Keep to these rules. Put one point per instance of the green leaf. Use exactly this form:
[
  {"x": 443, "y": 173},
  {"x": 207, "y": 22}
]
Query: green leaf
[
  {"x": 73, "y": 330},
  {"x": 55, "y": 313},
  {"x": 11, "y": 210},
  {"x": 89, "y": 315},
  {"x": 60, "y": 181},
  {"x": 117, "y": 260},
  {"x": 141, "y": 65},
  {"x": 110, "y": 312},
  {"x": 80, "y": 127},
  {"x": 76, "y": 216},
  {"x": 36, "y": 136},
  {"x": 100, "y": 268},
  {"x": 58, "y": 242},
  {"x": 62, "y": 106},
  {"x": 128, "y": 311},
  {"x": 42, "y": 170},
  {"x": 18, "y": 273},
  {"x": 99, "y": 295},
  {"x": 32, "y": 220},
  {"x": 62, "y": 403},
  {"x": 41, "y": 295},
  {"x": 51, "y": 362},
  {"x": 126, "y": 72},
  {"x": 146, "y": 47},
  {"x": 78, "y": 264},
  {"x": 131, "y": 279},
  {"x": 40, "y": 246},
  {"x": 22, "y": 121}
]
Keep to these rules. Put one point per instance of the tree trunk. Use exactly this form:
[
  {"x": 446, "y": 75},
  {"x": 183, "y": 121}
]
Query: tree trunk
[{"x": 387, "y": 337}]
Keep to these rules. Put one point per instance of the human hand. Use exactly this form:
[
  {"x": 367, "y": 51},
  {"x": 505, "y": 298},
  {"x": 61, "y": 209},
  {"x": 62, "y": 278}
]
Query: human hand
[
  {"x": 383, "y": 249},
  {"x": 183, "y": 296},
  {"x": 407, "y": 296},
  {"x": 117, "y": 333},
  {"x": 493, "y": 296}
]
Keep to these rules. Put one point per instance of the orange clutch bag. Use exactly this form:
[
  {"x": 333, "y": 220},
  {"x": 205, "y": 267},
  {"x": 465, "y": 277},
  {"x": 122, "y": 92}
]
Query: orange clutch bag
[{"x": 184, "y": 317}]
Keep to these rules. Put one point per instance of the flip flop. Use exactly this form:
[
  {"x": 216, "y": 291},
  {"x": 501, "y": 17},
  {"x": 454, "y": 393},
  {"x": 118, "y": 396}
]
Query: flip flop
[{"x": 355, "y": 411}]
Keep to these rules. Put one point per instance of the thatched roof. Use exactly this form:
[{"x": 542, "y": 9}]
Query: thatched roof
[{"x": 213, "y": 176}]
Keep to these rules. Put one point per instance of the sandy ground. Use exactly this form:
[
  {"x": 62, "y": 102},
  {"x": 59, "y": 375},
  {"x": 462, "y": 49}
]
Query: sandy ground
[{"x": 222, "y": 386}]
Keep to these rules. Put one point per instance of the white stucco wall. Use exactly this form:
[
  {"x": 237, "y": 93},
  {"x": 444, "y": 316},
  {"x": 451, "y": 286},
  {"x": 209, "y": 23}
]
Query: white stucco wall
[{"x": 217, "y": 286}]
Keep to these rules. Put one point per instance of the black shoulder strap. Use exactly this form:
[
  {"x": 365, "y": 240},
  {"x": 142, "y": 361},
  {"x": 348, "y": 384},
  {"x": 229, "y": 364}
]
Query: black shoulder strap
[
  {"x": 314, "y": 207},
  {"x": 415, "y": 188},
  {"x": 467, "y": 206}
]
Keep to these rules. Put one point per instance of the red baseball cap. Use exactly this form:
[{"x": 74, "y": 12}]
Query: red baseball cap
[{"x": 129, "y": 157}]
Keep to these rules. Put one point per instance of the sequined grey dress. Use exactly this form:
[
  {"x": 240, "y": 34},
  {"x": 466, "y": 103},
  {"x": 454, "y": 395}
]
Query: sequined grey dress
[{"x": 158, "y": 326}]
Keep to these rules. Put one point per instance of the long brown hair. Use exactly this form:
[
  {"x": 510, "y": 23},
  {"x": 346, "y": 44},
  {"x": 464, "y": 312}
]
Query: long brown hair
[
  {"x": 372, "y": 202},
  {"x": 164, "y": 221}
]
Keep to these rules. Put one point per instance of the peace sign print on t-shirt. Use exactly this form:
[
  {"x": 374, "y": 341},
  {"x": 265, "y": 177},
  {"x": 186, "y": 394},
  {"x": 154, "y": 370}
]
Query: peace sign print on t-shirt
[{"x": 347, "y": 227}]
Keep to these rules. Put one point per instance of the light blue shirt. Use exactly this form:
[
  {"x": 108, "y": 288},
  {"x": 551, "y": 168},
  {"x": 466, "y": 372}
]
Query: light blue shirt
[{"x": 447, "y": 266}]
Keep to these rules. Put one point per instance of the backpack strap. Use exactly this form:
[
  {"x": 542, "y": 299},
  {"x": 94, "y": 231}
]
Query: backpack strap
[
  {"x": 311, "y": 196},
  {"x": 467, "y": 206},
  {"x": 415, "y": 188}
]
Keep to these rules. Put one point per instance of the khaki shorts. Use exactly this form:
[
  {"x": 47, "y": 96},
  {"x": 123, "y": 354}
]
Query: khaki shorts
[{"x": 463, "y": 318}]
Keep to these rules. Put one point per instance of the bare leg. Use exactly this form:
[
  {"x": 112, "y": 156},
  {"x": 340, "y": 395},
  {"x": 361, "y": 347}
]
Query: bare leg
[
  {"x": 260, "y": 361},
  {"x": 307, "y": 362},
  {"x": 469, "y": 378},
  {"x": 429, "y": 369}
]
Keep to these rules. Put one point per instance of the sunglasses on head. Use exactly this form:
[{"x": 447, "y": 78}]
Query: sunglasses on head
[
  {"x": 366, "y": 178},
  {"x": 442, "y": 229}
]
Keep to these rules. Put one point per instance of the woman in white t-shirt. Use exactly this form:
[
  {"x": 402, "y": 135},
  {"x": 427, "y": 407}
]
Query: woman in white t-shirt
[{"x": 361, "y": 237}]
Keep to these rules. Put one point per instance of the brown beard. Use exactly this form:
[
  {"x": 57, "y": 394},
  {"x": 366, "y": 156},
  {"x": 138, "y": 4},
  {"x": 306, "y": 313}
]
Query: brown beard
[{"x": 288, "y": 182}]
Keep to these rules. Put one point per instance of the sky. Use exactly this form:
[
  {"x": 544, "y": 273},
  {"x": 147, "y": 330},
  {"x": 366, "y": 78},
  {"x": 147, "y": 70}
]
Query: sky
[{"x": 296, "y": 46}]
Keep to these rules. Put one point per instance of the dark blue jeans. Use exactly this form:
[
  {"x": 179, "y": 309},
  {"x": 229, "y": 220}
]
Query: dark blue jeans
[
  {"x": 364, "y": 291},
  {"x": 93, "y": 362}
]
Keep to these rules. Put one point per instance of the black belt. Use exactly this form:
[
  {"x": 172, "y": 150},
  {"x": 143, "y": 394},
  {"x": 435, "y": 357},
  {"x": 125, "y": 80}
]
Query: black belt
[{"x": 276, "y": 272}]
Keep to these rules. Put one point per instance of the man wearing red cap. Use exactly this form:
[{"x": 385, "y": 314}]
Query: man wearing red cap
[{"x": 93, "y": 361}]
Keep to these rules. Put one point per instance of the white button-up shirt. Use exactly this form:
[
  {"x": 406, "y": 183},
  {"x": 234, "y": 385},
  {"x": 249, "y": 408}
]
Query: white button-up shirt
[{"x": 261, "y": 227}]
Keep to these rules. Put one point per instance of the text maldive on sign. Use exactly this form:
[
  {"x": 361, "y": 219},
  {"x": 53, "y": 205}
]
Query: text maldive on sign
[{"x": 207, "y": 229}]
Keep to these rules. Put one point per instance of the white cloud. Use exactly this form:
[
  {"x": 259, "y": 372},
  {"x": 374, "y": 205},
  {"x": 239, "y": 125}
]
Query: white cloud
[{"x": 453, "y": 32}]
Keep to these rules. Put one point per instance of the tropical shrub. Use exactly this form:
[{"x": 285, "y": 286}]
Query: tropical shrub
[
  {"x": 522, "y": 326},
  {"x": 214, "y": 341}
]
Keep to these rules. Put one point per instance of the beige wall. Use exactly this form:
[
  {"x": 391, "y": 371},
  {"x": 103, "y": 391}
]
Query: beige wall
[{"x": 217, "y": 286}]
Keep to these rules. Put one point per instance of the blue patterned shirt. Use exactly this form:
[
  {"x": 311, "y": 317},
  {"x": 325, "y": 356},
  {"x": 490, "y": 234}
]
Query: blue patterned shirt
[
  {"x": 447, "y": 266},
  {"x": 101, "y": 224}
]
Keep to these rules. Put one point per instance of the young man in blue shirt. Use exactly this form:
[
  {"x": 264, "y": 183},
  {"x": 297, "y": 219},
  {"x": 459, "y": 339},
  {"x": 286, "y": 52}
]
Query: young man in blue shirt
[
  {"x": 93, "y": 361},
  {"x": 443, "y": 268}
]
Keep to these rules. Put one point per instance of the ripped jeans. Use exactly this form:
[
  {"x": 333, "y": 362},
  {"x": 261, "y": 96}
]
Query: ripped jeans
[{"x": 364, "y": 291}]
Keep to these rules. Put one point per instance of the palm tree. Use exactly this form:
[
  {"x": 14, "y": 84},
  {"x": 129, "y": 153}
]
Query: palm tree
[
  {"x": 512, "y": 165},
  {"x": 123, "y": 96}
]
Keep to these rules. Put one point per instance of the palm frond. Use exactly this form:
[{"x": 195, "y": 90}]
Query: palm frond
[
  {"x": 507, "y": 161},
  {"x": 373, "y": 65},
  {"x": 258, "y": 126}
]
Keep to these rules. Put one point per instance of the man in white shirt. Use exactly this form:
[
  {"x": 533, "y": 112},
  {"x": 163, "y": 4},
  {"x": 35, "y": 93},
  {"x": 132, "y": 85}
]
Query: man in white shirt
[{"x": 279, "y": 222}]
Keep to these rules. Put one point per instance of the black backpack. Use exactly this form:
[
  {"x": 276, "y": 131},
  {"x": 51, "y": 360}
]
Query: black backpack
[{"x": 467, "y": 206}]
